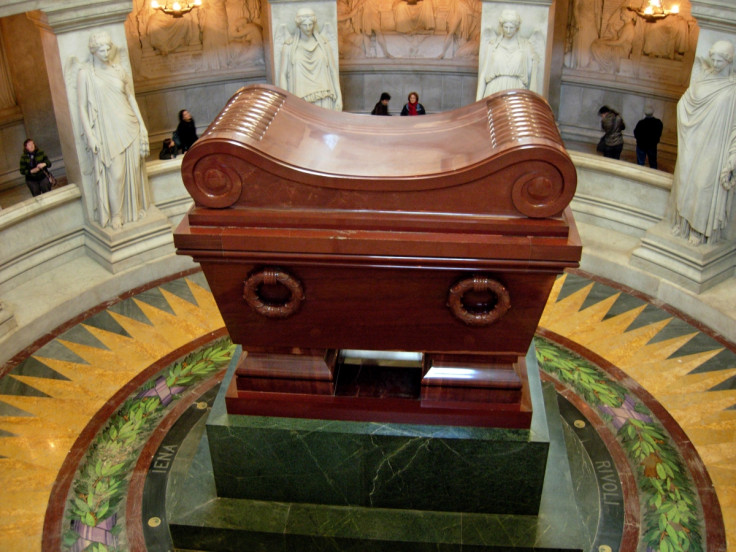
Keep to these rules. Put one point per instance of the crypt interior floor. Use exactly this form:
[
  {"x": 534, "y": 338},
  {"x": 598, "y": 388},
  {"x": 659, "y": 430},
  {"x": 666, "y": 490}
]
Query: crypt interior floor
[{"x": 659, "y": 392}]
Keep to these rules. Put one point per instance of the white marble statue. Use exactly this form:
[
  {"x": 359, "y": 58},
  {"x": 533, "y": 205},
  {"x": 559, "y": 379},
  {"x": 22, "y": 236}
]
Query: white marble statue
[
  {"x": 608, "y": 52},
  {"x": 511, "y": 61},
  {"x": 705, "y": 172},
  {"x": 308, "y": 64},
  {"x": 114, "y": 133}
]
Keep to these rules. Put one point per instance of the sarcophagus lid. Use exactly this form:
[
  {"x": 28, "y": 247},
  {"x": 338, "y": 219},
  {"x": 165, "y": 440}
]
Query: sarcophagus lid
[{"x": 380, "y": 229}]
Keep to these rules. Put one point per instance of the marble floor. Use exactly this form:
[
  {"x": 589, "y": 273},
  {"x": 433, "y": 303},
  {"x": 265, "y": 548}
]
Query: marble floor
[{"x": 86, "y": 412}]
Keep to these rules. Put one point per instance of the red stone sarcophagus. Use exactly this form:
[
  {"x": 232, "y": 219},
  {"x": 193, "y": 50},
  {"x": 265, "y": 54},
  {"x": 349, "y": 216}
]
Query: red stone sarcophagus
[{"x": 321, "y": 231}]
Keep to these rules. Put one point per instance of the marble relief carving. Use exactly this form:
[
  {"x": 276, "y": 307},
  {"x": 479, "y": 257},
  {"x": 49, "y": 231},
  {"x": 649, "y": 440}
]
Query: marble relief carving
[
  {"x": 705, "y": 174},
  {"x": 308, "y": 66},
  {"x": 365, "y": 18},
  {"x": 463, "y": 30},
  {"x": 113, "y": 133},
  {"x": 409, "y": 28},
  {"x": 508, "y": 59},
  {"x": 608, "y": 52},
  {"x": 606, "y": 36},
  {"x": 221, "y": 35},
  {"x": 414, "y": 16}
]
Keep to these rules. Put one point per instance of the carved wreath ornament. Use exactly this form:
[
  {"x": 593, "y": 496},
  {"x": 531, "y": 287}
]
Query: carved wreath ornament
[
  {"x": 254, "y": 295},
  {"x": 495, "y": 301}
]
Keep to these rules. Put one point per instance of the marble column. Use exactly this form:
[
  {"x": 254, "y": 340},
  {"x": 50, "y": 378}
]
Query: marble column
[
  {"x": 65, "y": 30},
  {"x": 536, "y": 32},
  {"x": 696, "y": 268}
]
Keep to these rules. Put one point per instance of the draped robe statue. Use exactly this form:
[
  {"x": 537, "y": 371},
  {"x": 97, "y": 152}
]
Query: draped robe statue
[
  {"x": 308, "y": 65},
  {"x": 702, "y": 192},
  {"x": 511, "y": 61},
  {"x": 115, "y": 135}
]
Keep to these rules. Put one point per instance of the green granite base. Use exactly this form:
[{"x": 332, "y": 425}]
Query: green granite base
[
  {"x": 276, "y": 484},
  {"x": 403, "y": 466}
]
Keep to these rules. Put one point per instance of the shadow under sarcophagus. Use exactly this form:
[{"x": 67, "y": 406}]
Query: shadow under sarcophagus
[{"x": 384, "y": 277}]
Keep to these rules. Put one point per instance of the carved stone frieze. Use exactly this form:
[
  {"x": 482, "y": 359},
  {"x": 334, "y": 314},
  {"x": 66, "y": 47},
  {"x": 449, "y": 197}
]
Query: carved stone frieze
[
  {"x": 409, "y": 28},
  {"x": 221, "y": 35},
  {"x": 609, "y": 37}
]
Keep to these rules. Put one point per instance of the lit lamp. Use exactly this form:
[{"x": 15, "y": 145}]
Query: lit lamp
[
  {"x": 176, "y": 8},
  {"x": 653, "y": 10}
]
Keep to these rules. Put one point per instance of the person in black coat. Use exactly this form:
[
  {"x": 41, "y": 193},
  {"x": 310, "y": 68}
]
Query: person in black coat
[
  {"x": 186, "y": 131},
  {"x": 34, "y": 165},
  {"x": 647, "y": 132},
  {"x": 381, "y": 107},
  {"x": 413, "y": 107}
]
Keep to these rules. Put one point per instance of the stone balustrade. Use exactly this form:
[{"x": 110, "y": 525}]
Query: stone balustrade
[{"x": 49, "y": 275}]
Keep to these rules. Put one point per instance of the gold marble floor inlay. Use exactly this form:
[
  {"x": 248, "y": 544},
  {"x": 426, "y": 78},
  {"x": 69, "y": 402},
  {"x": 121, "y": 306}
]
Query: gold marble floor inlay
[
  {"x": 37, "y": 438},
  {"x": 48, "y": 399},
  {"x": 707, "y": 415}
]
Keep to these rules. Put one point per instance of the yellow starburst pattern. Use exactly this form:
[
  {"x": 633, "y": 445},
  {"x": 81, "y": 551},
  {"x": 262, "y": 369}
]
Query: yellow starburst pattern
[
  {"x": 34, "y": 446},
  {"x": 703, "y": 414}
]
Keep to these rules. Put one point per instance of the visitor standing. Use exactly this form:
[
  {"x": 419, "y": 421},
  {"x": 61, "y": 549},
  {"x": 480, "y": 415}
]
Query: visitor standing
[
  {"x": 186, "y": 131},
  {"x": 612, "y": 142},
  {"x": 413, "y": 107},
  {"x": 647, "y": 132},
  {"x": 381, "y": 108}
]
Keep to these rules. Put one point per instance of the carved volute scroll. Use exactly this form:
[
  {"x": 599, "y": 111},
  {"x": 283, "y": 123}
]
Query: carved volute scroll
[
  {"x": 514, "y": 118},
  {"x": 246, "y": 116}
]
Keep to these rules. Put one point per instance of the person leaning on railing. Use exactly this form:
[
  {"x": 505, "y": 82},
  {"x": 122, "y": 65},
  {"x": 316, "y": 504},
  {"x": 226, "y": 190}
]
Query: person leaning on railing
[{"x": 34, "y": 165}]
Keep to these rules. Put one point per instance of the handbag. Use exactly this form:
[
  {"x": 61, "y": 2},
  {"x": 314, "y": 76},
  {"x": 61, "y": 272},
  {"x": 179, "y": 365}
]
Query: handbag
[
  {"x": 52, "y": 179},
  {"x": 601, "y": 147}
]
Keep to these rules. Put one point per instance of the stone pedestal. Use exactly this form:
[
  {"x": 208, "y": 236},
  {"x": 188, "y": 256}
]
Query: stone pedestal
[
  {"x": 695, "y": 268},
  {"x": 7, "y": 320},
  {"x": 300, "y": 484},
  {"x": 134, "y": 244}
]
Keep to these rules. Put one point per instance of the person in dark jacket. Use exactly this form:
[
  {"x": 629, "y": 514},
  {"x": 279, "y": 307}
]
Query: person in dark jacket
[
  {"x": 34, "y": 164},
  {"x": 413, "y": 107},
  {"x": 647, "y": 132},
  {"x": 186, "y": 131},
  {"x": 612, "y": 142},
  {"x": 168, "y": 150},
  {"x": 381, "y": 108}
]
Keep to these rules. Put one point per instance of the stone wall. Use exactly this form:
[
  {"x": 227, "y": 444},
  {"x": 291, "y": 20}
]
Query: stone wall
[{"x": 441, "y": 86}]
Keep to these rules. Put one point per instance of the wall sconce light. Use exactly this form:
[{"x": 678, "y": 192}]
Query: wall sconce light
[
  {"x": 177, "y": 8},
  {"x": 653, "y": 10}
]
